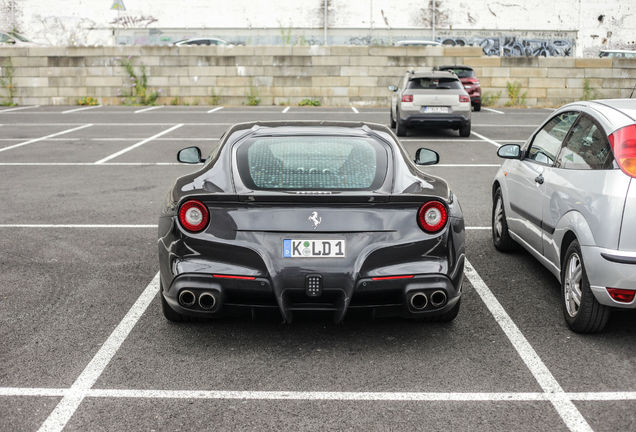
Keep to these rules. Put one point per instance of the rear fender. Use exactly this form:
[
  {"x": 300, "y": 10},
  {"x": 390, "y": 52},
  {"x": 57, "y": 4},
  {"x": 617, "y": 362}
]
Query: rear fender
[{"x": 572, "y": 221}]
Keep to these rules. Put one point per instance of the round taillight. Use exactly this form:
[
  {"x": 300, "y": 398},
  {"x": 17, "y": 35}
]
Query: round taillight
[
  {"x": 432, "y": 216},
  {"x": 193, "y": 216}
]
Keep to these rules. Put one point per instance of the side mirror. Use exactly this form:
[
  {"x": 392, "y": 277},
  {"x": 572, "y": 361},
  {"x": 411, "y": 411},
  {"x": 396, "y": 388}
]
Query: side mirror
[
  {"x": 10, "y": 41},
  {"x": 190, "y": 155},
  {"x": 425, "y": 156},
  {"x": 509, "y": 151},
  {"x": 392, "y": 88}
]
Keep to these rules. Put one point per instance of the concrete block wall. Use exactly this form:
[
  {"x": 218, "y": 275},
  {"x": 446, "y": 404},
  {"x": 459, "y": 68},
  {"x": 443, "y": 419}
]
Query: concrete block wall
[{"x": 281, "y": 75}]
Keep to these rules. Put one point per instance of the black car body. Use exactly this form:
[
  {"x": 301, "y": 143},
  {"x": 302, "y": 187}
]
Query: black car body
[{"x": 310, "y": 216}]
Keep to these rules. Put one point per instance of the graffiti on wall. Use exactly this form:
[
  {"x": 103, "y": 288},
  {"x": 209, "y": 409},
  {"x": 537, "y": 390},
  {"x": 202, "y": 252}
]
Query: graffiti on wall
[
  {"x": 128, "y": 21},
  {"x": 515, "y": 46}
]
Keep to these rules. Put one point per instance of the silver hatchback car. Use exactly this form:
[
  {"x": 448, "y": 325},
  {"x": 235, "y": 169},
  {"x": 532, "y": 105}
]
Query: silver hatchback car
[
  {"x": 568, "y": 196},
  {"x": 435, "y": 98}
]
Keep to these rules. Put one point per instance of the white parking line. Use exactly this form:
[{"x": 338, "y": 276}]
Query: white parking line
[
  {"x": 300, "y": 395},
  {"x": 76, "y": 226},
  {"x": 80, "y": 109},
  {"x": 478, "y": 228},
  {"x": 34, "y": 140},
  {"x": 140, "y": 143},
  {"x": 495, "y": 143},
  {"x": 156, "y": 139},
  {"x": 285, "y": 110},
  {"x": 148, "y": 109},
  {"x": 19, "y": 108},
  {"x": 493, "y": 110},
  {"x": 93, "y": 164},
  {"x": 355, "y": 110},
  {"x": 214, "y": 110},
  {"x": 48, "y": 139},
  {"x": 65, "y": 409},
  {"x": 564, "y": 406}
]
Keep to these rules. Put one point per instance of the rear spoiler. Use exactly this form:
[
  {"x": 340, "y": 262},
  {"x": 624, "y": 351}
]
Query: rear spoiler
[{"x": 313, "y": 197}]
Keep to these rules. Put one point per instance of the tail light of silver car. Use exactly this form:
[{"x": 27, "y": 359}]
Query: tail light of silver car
[
  {"x": 623, "y": 142},
  {"x": 464, "y": 98},
  {"x": 432, "y": 216},
  {"x": 193, "y": 216},
  {"x": 407, "y": 98},
  {"x": 621, "y": 295}
]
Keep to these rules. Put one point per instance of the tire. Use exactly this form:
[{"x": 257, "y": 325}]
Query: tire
[
  {"x": 400, "y": 126},
  {"x": 169, "y": 313},
  {"x": 392, "y": 119},
  {"x": 588, "y": 316},
  {"x": 500, "y": 236},
  {"x": 464, "y": 130},
  {"x": 477, "y": 106}
]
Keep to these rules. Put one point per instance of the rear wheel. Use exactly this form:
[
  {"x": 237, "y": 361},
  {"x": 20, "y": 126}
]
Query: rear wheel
[
  {"x": 464, "y": 130},
  {"x": 477, "y": 106},
  {"x": 582, "y": 312},
  {"x": 400, "y": 126},
  {"x": 392, "y": 119},
  {"x": 500, "y": 235}
]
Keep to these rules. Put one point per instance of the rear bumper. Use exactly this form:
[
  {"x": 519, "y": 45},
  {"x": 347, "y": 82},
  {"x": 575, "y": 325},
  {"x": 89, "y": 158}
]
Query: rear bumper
[
  {"x": 435, "y": 120},
  {"x": 607, "y": 268},
  {"x": 384, "y": 297}
]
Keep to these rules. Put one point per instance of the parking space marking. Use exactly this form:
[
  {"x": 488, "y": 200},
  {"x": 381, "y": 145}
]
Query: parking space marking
[
  {"x": 495, "y": 143},
  {"x": 285, "y": 110},
  {"x": 355, "y": 110},
  {"x": 19, "y": 108},
  {"x": 148, "y": 109},
  {"x": 80, "y": 109},
  {"x": 78, "y": 226},
  {"x": 34, "y": 140},
  {"x": 25, "y": 164},
  {"x": 214, "y": 110},
  {"x": 140, "y": 143},
  {"x": 156, "y": 139},
  {"x": 493, "y": 110},
  {"x": 49, "y": 139},
  {"x": 570, "y": 415},
  {"x": 65, "y": 409}
]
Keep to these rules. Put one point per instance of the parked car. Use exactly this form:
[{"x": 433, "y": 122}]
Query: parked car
[
  {"x": 310, "y": 216},
  {"x": 15, "y": 39},
  {"x": 430, "y": 98},
  {"x": 417, "y": 43},
  {"x": 568, "y": 196},
  {"x": 618, "y": 53},
  {"x": 470, "y": 81},
  {"x": 201, "y": 41}
]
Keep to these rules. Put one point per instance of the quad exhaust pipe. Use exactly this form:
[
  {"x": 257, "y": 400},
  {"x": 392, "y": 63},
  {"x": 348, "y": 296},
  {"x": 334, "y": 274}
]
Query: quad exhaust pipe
[
  {"x": 187, "y": 298},
  {"x": 438, "y": 298},
  {"x": 207, "y": 301},
  {"x": 418, "y": 301}
]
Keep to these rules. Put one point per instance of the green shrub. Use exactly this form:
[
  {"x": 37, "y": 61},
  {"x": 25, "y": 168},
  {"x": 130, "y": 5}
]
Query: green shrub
[
  {"x": 309, "y": 102},
  {"x": 136, "y": 91},
  {"x": 87, "y": 100},
  {"x": 6, "y": 82},
  {"x": 489, "y": 99},
  {"x": 514, "y": 94}
]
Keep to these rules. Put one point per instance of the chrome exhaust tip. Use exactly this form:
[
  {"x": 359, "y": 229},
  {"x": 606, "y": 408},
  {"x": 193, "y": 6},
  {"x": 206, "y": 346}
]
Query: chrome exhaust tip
[
  {"x": 187, "y": 298},
  {"x": 438, "y": 298},
  {"x": 418, "y": 301},
  {"x": 207, "y": 301}
]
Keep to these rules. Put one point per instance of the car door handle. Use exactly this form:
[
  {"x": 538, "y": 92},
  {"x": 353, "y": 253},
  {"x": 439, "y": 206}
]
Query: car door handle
[{"x": 539, "y": 179}]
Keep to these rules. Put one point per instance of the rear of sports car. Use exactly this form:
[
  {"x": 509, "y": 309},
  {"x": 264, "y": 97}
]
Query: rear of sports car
[{"x": 312, "y": 225}]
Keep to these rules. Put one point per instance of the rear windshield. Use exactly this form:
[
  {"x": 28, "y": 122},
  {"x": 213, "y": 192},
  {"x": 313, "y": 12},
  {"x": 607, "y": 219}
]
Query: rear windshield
[
  {"x": 312, "y": 163},
  {"x": 463, "y": 73},
  {"x": 434, "y": 83}
]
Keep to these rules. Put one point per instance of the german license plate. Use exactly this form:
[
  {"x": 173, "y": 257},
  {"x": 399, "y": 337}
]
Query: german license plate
[
  {"x": 293, "y": 248},
  {"x": 435, "y": 109}
]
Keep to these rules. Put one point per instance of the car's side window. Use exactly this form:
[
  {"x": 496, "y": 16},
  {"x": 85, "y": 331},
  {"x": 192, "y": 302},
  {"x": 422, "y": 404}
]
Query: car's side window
[
  {"x": 547, "y": 142},
  {"x": 586, "y": 147}
]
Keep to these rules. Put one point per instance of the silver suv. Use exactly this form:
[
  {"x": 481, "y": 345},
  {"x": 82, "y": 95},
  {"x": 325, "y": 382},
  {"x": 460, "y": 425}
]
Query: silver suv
[
  {"x": 435, "y": 98},
  {"x": 568, "y": 196}
]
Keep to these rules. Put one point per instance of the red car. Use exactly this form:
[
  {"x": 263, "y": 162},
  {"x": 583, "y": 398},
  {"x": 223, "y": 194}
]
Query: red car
[{"x": 468, "y": 78}]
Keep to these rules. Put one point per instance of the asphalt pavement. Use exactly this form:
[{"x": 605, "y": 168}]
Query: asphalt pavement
[{"x": 84, "y": 346}]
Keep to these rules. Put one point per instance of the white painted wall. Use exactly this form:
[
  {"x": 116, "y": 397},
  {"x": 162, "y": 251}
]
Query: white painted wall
[{"x": 91, "y": 21}]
